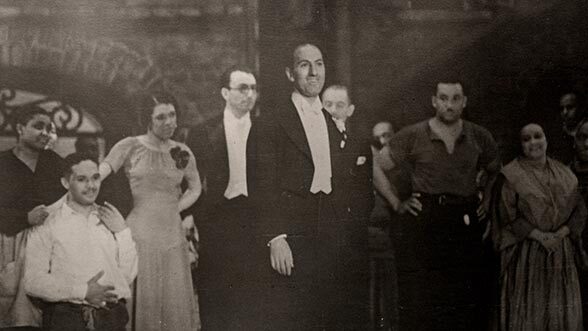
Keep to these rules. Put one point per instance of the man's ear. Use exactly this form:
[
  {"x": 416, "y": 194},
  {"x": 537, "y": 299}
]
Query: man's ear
[
  {"x": 434, "y": 101},
  {"x": 19, "y": 128},
  {"x": 350, "y": 110},
  {"x": 465, "y": 101},
  {"x": 225, "y": 93},
  {"x": 289, "y": 75},
  {"x": 65, "y": 183}
]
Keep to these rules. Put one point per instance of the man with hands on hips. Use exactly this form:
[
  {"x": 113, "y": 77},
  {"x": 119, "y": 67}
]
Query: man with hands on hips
[{"x": 82, "y": 259}]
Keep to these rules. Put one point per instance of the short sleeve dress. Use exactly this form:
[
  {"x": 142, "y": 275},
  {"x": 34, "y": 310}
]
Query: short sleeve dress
[{"x": 164, "y": 298}]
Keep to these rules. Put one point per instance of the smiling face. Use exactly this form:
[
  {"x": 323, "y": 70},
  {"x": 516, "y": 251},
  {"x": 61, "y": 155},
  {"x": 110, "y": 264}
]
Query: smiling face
[
  {"x": 533, "y": 142},
  {"x": 163, "y": 121},
  {"x": 83, "y": 183},
  {"x": 449, "y": 102},
  {"x": 36, "y": 133},
  {"x": 308, "y": 71}
]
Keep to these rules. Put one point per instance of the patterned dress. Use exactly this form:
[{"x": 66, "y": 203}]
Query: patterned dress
[
  {"x": 539, "y": 290},
  {"x": 164, "y": 295}
]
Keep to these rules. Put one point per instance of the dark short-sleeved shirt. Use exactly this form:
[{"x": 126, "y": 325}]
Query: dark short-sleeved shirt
[{"x": 433, "y": 169}]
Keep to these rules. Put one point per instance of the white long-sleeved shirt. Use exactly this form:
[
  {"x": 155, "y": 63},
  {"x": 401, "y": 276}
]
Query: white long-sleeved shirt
[
  {"x": 69, "y": 248},
  {"x": 317, "y": 134},
  {"x": 236, "y": 133}
]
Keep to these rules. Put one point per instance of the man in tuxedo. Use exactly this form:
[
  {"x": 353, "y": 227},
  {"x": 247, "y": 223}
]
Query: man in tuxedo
[
  {"x": 223, "y": 215},
  {"x": 313, "y": 224}
]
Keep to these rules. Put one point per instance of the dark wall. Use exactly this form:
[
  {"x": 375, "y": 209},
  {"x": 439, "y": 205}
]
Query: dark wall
[{"x": 514, "y": 62}]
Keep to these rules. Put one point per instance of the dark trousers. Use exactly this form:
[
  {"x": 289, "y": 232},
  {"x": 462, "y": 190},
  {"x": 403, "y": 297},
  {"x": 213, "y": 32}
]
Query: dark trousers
[
  {"x": 442, "y": 269},
  {"x": 65, "y": 316},
  {"x": 328, "y": 288},
  {"x": 227, "y": 279}
]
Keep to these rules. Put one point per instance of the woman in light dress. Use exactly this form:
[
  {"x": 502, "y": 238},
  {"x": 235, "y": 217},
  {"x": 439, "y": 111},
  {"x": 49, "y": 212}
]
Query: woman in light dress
[{"x": 155, "y": 165}]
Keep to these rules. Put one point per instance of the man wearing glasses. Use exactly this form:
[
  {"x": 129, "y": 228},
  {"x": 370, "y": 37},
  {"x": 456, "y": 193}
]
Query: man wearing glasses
[{"x": 223, "y": 214}]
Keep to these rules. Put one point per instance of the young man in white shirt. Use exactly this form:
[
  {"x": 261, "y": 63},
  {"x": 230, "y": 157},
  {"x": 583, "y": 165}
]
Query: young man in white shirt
[{"x": 83, "y": 258}]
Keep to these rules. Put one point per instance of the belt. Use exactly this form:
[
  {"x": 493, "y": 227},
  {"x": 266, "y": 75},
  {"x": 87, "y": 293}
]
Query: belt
[{"x": 446, "y": 199}]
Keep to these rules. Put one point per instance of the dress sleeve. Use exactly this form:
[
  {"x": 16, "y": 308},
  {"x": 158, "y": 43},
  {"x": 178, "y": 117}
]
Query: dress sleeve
[
  {"x": 513, "y": 221},
  {"x": 119, "y": 153},
  {"x": 191, "y": 173}
]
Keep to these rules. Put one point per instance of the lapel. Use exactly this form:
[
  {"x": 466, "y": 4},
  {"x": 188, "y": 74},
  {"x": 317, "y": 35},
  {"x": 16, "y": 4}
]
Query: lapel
[
  {"x": 218, "y": 142},
  {"x": 335, "y": 136},
  {"x": 292, "y": 126}
]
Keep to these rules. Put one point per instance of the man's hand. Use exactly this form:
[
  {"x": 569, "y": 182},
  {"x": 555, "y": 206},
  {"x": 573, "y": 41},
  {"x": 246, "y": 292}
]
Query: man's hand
[
  {"x": 97, "y": 295},
  {"x": 38, "y": 215},
  {"x": 483, "y": 206},
  {"x": 411, "y": 205},
  {"x": 112, "y": 218},
  {"x": 281, "y": 257}
]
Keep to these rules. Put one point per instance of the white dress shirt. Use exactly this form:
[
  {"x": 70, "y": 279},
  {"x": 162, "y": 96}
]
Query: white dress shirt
[
  {"x": 317, "y": 134},
  {"x": 68, "y": 249},
  {"x": 236, "y": 132}
]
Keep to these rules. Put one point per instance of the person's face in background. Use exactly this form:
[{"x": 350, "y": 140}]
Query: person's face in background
[
  {"x": 36, "y": 134},
  {"x": 382, "y": 133},
  {"x": 308, "y": 71},
  {"x": 83, "y": 183},
  {"x": 533, "y": 142},
  {"x": 449, "y": 102},
  {"x": 336, "y": 102},
  {"x": 241, "y": 94},
  {"x": 568, "y": 110},
  {"x": 581, "y": 142},
  {"x": 88, "y": 145},
  {"x": 163, "y": 121}
]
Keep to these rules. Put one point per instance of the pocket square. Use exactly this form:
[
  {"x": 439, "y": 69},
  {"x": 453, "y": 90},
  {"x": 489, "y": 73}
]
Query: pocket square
[{"x": 360, "y": 160}]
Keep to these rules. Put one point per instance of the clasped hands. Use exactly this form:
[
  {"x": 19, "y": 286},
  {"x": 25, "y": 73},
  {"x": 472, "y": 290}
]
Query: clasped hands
[{"x": 550, "y": 240}]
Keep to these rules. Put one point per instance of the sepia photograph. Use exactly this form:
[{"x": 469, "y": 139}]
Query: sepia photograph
[{"x": 293, "y": 165}]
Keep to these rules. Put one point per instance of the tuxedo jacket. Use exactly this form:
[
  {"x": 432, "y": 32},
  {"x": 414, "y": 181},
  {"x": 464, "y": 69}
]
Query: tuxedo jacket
[
  {"x": 209, "y": 144},
  {"x": 284, "y": 172}
]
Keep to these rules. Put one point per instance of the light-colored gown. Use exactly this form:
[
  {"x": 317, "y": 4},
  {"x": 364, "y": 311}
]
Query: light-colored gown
[{"x": 164, "y": 296}]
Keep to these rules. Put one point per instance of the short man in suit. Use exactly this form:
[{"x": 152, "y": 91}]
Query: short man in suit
[
  {"x": 315, "y": 231},
  {"x": 223, "y": 216}
]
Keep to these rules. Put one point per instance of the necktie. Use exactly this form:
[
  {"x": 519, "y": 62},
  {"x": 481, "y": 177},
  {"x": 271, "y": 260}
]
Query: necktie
[{"x": 343, "y": 139}]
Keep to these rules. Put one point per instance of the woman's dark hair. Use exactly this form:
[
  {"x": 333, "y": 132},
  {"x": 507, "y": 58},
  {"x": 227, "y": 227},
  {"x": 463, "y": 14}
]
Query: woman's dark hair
[
  {"x": 26, "y": 113},
  {"x": 148, "y": 102}
]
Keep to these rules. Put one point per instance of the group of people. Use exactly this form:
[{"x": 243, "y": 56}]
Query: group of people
[{"x": 281, "y": 203}]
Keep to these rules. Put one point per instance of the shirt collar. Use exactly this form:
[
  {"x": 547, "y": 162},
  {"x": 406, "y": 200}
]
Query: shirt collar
[
  {"x": 67, "y": 210},
  {"x": 465, "y": 131},
  {"x": 303, "y": 105},
  {"x": 340, "y": 124},
  {"x": 230, "y": 118}
]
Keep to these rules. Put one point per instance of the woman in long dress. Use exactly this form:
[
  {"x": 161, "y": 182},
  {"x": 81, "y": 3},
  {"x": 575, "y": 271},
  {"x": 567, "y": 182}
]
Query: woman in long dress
[
  {"x": 30, "y": 181},
  {"x": 539, "y": 217},
  {"x": 156, "y": 166}
]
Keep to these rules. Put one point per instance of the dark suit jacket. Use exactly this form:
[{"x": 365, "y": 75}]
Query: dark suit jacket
[
  {"x": 209, "y": 144},
  {"x": 285, "y": 169}
]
